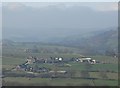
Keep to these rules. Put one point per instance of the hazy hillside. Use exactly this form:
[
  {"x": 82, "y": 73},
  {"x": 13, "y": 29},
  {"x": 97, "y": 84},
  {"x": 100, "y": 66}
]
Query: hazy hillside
[
  {"x": 25, "y": 23},
  {"x": 90, "y": 44},
  {"x": 64, "y": 24},
  {"x": 96, "y": 42}
]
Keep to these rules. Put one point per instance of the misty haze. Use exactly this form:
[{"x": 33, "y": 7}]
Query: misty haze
[
  {"x": 55, "y": 44},
  {"x": 54, "y": 21}
]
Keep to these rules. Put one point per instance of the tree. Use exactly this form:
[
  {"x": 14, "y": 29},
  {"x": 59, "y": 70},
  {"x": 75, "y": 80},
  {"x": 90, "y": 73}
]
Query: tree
[
  {"x": 35, "y": 68},
  {"x": 111, "y": 52}
]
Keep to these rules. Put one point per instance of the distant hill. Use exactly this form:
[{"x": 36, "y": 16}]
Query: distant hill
[
  {"x": 97, "y": 42},
  {"x": 53, "y": 22},
  {"x": 7, "y": 42},
  {"x": 93, "y": 43}
]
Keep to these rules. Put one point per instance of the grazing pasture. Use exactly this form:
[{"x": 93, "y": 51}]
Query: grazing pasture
[{"x": 100, "y": 74}]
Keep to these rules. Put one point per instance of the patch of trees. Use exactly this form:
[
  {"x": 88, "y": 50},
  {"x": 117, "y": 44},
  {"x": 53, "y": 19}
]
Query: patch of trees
[
  {"x": 49, "y": 50},
  {"x": 111, "y": 52}
]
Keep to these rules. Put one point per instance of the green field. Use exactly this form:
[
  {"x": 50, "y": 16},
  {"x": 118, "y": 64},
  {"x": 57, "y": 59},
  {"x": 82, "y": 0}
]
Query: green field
[
  {"x": 15, "y": 55},
  {"x": 9, "y": 62},
  {"x": 60, "y": 81}
]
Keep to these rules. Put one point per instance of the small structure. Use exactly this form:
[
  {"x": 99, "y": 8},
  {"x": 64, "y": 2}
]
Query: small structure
[
  {"x": 88, "y": 60},
  {"x": 60, "y": 59},
  {"x": 56, "y": 59},
  {"x": 60, "y": 71}
]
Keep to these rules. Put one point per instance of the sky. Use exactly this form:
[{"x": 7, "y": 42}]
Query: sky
[
  {"x": 51, "y": 19},
  {"x": 60, "y": 0},
  {"x": 97, "y": 6},
  {"x": 101, "y": 6}
]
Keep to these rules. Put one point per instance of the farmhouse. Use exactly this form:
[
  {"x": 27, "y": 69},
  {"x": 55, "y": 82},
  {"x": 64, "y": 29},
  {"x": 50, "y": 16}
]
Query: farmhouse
[
  {"x": 89, "y": 60},
  {"x": 57, "y": 61},
  {"x": 63, "y": 72}
]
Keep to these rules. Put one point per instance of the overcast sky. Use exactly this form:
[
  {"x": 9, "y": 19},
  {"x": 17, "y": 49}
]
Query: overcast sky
[
  {"x": 97, "y": 6},
  {"x": 101, "y": 6},
  {"x": 53, "y": 18},
  {"x": 60, "y": 0}
]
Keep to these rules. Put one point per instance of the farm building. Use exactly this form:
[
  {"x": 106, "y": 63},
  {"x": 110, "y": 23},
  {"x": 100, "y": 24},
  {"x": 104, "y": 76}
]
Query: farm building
[{"x": 88, "y": 60}]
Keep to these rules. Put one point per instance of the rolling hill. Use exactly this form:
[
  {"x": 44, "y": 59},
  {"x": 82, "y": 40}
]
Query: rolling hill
[
  {"x": 97, "y": 42},
  {"x": 93, "y": 43}
]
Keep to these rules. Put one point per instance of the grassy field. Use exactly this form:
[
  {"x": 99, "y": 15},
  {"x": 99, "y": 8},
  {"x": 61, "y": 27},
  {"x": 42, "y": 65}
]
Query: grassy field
[
  {"x": 60, "y": 81},
  {"x": 9, "y": 62},
  {"x": 13, "y": 56},
  {"x": 76, "y": 67}
]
